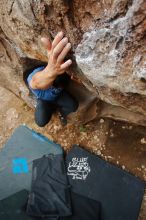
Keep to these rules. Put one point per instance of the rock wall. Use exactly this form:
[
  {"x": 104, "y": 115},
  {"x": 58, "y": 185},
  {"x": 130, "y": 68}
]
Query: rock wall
[{"x": 108, "y": 47}]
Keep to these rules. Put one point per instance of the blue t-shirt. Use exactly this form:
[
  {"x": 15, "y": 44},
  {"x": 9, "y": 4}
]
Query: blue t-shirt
[{"x": 49, "y": 94}]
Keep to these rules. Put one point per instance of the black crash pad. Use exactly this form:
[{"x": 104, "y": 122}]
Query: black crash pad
[
  {"x": 24, "y": 146},
  {"x": 13, "y": 207},
  {"x": 119, "y": 192}
]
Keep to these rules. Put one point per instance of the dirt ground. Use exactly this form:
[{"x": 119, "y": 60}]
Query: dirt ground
[{"x": 120, "y": 143}]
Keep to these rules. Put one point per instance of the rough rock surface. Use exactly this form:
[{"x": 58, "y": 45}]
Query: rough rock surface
[
  {"x": 113, "y": 57},
  {"x": 108, "y": 39}
]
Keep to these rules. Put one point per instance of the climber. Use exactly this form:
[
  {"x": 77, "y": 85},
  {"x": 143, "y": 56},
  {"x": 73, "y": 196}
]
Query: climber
[{"x": 48, "y": 82}]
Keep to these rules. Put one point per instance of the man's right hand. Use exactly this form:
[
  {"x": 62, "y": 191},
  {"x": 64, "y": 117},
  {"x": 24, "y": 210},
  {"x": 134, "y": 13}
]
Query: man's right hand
[{"x": 57, "y": 51}]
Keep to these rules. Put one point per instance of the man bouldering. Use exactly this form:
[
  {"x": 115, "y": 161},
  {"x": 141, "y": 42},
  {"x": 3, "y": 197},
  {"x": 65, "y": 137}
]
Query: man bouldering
[{"x": 48, "y": 82}]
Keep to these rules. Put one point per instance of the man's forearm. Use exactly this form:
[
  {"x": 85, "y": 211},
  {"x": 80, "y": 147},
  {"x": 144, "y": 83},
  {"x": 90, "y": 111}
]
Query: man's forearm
[{"x": 42, "y": 79}]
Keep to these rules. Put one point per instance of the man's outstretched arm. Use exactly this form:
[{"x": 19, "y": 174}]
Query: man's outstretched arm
[{"x": 57, "y": 51}]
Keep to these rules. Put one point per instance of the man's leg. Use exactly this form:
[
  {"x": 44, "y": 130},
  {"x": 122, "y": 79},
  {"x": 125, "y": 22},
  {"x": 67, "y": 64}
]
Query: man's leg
[
  {"x": 43, "y": 112},
  {"x": 66, "y": 104}
]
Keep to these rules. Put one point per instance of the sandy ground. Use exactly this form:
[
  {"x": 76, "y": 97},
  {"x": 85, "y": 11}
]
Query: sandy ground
[{"x": 118, "y": 142}]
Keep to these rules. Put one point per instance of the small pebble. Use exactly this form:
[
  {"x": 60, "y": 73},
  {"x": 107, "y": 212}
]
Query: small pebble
[
  {"x": 123, "y": 167},
  {"x": 130, "y": 127},
  {"x": 112, "y": 135},
  {"x": 95, "y": 137},
  {"x": 143, "y": 141},
  {"x": 99, "y": 152},
  {"x": 109, "y": 157},
  {"x": 101, "y": 121}
]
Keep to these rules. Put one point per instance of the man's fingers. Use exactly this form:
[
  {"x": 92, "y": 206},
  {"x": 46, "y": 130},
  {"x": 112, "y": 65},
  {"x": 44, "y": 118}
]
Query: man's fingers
[
  {"x": 57, "y": 39},
  {"x": 58, "y": 49},
  {"x": 46, "y": 42},
  {"x": 64, "y": 52},
  {"x": 66, "y": 64}
]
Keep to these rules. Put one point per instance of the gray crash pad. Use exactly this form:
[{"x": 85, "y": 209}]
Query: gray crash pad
[{"x": 24, "y": 146}]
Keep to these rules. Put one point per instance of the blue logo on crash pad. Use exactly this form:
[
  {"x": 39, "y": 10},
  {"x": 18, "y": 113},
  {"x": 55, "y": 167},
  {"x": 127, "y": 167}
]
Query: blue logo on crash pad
[{"x": 20, "y": 165}]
